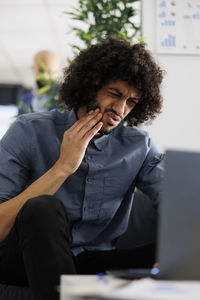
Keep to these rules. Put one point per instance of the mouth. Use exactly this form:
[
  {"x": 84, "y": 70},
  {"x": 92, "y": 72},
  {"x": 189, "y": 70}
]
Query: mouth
[{"x": 113, "y": 119}]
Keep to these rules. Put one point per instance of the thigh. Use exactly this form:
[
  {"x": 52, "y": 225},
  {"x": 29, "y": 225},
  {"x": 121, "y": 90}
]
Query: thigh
[
  {"x": 93, "y": 262},
  {"x": 12, "y": 269}
]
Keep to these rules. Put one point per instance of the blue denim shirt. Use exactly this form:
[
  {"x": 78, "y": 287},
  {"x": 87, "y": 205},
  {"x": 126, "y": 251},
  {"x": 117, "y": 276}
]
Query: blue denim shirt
[{"x": 99, "y": 195}]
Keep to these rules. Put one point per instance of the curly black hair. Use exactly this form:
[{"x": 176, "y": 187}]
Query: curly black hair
[{"x": 114, "y": 59}]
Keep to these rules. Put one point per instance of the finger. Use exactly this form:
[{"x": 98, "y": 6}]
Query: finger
[
  {"x": 82, "y": 121},
  {"x": 87, "y": 118},
  {"x": 85, "y": 123},
  {"x": 92, "y": 132},
  {"x": 90, "y": 124}
]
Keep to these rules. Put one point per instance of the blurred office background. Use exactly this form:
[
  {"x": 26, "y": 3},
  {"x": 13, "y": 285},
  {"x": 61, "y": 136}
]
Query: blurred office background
[{"x": 27, "y": 26}]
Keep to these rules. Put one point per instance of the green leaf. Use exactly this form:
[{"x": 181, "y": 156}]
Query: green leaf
[
  {"x": 44, "y": 89},
  {"x": 41, "y": 77},
  {"x": 142, "y": 39},
  {"x": 26, "y": 109},
  {"x": 44, "y": 68}
]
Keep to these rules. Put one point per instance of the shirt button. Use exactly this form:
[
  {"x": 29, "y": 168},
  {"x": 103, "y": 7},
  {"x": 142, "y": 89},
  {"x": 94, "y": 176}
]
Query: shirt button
[{"x": 89, "y": 179}]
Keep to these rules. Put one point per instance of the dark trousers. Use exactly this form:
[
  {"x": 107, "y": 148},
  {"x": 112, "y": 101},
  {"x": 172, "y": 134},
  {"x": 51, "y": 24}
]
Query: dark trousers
[{"x": 37, "y": 251}]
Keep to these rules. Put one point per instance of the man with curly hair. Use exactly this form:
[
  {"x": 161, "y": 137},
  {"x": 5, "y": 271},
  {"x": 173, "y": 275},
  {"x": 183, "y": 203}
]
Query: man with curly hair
[{"x": 67, "y": 179}]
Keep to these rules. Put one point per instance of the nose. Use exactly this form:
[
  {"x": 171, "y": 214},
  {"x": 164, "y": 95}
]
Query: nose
[{"x": 119, "y": 107}]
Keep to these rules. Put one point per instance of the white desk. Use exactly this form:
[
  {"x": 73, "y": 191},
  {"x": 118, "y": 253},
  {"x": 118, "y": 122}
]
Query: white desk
[{"x": 76, "y": 286}]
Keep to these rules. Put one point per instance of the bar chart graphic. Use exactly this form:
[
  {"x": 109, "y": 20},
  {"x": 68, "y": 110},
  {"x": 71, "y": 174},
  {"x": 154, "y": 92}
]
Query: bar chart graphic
[
  {"x": 168, "y": 23},
  {"x": 170, "y": 41},
  {"x": 178, "y": 26}
]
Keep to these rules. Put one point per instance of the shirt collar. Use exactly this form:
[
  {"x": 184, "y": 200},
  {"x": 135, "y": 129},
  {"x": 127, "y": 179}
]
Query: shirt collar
[
  {"x": 101, "y": 141},
  {"x": 64, "y": 120},
  {"x": 72, "y": 118}
]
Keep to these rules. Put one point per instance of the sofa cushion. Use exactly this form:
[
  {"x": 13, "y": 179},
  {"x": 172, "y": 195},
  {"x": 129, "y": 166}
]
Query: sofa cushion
[{"x": 142, "y": 227}]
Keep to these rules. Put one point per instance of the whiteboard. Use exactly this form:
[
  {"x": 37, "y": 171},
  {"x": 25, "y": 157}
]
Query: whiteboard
[{"x": 178, "y": 26}]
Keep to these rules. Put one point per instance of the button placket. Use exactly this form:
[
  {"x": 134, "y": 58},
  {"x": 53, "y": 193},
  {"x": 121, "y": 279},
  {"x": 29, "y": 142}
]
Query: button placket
[{"x": 90, "y": 207}]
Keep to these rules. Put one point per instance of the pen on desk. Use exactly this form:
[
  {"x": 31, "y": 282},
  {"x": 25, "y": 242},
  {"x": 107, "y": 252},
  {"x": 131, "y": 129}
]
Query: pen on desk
[
  {"x": 103, "y": 278},
  {"x": 110, "y": 283}
]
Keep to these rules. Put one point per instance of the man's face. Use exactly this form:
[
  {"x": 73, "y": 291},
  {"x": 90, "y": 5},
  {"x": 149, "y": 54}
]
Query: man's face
[{"x": 115, "y": 100}]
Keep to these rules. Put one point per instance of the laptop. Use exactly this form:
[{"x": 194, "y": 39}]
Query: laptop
[{"x": 178, "y": 248}]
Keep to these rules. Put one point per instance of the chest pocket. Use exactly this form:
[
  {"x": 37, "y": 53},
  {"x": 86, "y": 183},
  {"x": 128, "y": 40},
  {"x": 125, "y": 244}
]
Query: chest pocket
[{"x": 114, "y": 190}]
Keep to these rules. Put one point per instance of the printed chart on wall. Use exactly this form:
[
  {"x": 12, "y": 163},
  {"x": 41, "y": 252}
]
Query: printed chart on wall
[{"x": 178, "y": 26}]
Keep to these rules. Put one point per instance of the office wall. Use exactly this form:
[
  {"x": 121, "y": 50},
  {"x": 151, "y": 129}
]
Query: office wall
[{"x": 179, "y": 124}]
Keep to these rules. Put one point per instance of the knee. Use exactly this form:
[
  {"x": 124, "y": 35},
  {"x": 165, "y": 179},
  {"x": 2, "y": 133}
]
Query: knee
[
  {"x": 42, "y": 219},
  {"x": 44, "y": 207}
]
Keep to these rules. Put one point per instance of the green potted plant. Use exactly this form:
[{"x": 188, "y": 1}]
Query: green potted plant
[{"x": 102, "y": 18}]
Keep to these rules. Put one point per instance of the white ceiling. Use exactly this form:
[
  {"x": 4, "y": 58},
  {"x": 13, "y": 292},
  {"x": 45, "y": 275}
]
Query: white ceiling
[{"x": 27, "y": 26}]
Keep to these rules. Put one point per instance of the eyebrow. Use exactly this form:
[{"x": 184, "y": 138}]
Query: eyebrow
[{"x": 121, "y": 95}]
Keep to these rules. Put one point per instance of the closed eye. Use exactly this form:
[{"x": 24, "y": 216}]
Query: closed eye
[
  {"x": 132, "y": 101},
  {"x": 115, "y": 95}
]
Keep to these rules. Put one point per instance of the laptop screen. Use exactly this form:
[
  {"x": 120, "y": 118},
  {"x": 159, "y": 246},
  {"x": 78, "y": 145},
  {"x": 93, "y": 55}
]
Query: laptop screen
[{"x": 178, "y": 251}]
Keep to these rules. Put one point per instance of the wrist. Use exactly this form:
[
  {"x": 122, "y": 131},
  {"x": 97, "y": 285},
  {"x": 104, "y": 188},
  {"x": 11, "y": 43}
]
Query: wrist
[{"x": 60, "y": 170}]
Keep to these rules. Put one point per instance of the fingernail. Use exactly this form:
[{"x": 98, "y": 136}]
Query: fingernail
[{"x": 97, "y": 109}]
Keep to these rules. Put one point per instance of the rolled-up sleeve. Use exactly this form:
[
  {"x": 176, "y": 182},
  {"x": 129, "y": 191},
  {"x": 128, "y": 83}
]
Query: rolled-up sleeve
[
  {"x": 150, "y": 176},
  {"x": 15, "y": 149}
]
